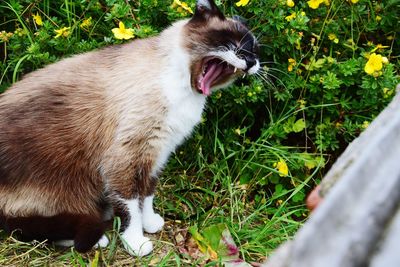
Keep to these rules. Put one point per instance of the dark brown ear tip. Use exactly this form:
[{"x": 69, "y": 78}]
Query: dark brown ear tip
[{"x": 206, "y": 9}]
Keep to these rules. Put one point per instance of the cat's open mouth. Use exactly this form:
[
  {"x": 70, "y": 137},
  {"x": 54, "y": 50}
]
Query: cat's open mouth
[{"x": 214, "y": 72}]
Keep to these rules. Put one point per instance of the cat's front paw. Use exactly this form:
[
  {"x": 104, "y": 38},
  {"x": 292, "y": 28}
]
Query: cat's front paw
[
  {"x": 103, "y": 242},
  {"x": 153, "y": 223},
  {"x": 137, "y": 246}
]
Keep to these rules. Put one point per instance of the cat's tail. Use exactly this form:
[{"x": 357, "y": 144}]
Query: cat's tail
[{"x": 85, "y": 230}]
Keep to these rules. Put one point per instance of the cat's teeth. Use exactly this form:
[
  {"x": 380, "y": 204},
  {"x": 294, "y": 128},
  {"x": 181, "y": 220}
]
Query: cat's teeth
[{"x": 235, "y": 70}]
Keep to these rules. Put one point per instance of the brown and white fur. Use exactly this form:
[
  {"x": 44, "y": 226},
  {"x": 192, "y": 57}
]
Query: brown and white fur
[{"x": 84, "y": 139}]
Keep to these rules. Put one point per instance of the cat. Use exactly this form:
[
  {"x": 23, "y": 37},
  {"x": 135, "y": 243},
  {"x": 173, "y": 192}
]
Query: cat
[{"x": 83, "y": 140}]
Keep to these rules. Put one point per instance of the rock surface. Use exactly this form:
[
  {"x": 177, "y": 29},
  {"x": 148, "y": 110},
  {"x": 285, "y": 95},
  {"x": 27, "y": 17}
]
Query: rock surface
[{"x": 358, "y": 221}]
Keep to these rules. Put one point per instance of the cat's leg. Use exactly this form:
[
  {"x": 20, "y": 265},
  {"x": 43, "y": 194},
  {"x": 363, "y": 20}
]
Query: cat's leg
[
  {"x": 133, "y": 239},
  {"x": 84, "y": 229},
  {"x": 89, "y": 231},
  {"x": 152, "y": 222},
  {"x": 128, "y": 179}
]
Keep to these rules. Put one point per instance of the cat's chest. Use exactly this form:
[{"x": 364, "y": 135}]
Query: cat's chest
[{"x": 183, "y": 114}]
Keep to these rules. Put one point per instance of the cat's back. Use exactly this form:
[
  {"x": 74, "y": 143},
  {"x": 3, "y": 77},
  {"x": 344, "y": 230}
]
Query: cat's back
[{"x": 55, "y": 114}]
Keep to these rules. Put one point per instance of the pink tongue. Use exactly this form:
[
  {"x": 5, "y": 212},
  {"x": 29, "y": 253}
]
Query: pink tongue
[{"x": 212, "y": 73}]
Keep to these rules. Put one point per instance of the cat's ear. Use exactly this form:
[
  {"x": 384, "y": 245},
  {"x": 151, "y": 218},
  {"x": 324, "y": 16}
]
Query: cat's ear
[{"x": 205, "y": 9}]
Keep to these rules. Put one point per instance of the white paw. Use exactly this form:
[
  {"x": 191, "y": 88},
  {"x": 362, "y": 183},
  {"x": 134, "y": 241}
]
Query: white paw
[
  {"x": 64, "y": 243},
  {"x": 153, "y": 223},
  {"x": 103, "y": 242},
  {"x": 137, "y": 246}
]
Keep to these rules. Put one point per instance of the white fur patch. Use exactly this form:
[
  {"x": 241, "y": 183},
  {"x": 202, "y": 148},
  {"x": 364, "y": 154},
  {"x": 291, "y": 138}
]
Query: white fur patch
[
  {"x": 152, "y": 222},
  {"x": 230, "y": 57},
  {"x": 133, "y": 239},
  {"x": 64, "y": 243},
  {"x": 184, "y": 105},
  {"x": 103, "y": 242},
  {"x": 255, "y": 68}
]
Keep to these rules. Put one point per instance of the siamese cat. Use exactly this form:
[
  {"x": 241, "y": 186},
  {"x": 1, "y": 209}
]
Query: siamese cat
[{"x": 84, "y": 139}]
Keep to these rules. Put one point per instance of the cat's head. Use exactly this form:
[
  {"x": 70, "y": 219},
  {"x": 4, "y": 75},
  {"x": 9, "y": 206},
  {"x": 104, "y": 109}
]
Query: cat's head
[{"x": 221, "y": 48}]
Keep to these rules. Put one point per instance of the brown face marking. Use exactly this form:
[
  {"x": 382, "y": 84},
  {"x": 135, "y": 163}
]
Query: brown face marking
[{"x": 215, "y": 35}]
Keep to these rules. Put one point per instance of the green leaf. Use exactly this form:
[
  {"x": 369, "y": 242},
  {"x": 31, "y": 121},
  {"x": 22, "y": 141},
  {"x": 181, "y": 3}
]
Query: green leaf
[
  {"x": 299, "y": 126},
  {"x": 213, "y": 235},
  {"x": 217, "y": 243},
  {"x": 288, "y": 126},
  {"x": 299, "y": 197}
]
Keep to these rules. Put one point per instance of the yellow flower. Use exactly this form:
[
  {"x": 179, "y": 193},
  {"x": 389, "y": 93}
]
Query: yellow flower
[
  {"x": 292, "y": 63},
  {"x": 282, "y": 167},
  {"x": 86, "y": 23},
  {"x": 314, "y": 4},
  {"x": 291, "y": 16},
  {"x": 353, "y": 1},
  {"x": 290, "y": 3},
  {"x": 38, "y": 19},
  {"x": 63, "y": 32},
  {"x": 378, "y": 18},
  {"x": 374, "y": 64},
  {"x": 242, "y": 3},
  {"x": 122, "y": 32},
  {"x": 333, "y": 38},
  {"x": 182, "y": 6},
  {"x": 187, "y": 8}
]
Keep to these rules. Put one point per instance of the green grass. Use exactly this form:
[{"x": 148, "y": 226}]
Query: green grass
[{"x": 256, "y": 230}]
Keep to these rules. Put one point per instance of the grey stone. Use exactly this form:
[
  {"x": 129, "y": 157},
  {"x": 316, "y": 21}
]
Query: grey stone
[{"x": 356, "y": 223}]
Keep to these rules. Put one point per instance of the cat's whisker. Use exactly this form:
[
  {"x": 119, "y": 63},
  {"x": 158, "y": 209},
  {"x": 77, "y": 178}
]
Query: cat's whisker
[
  {"x": 248, "y": 51},
  {"x": 266, "y": 75},
  {"x": 278, "y": 70},
  {"x": 267, "y": 81},
  {"x": 268, "y": 62},
  {"x": 278, "y": 79},
  {"x": 264, "y": 45},
  {"x": 244, "y": 36}
]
